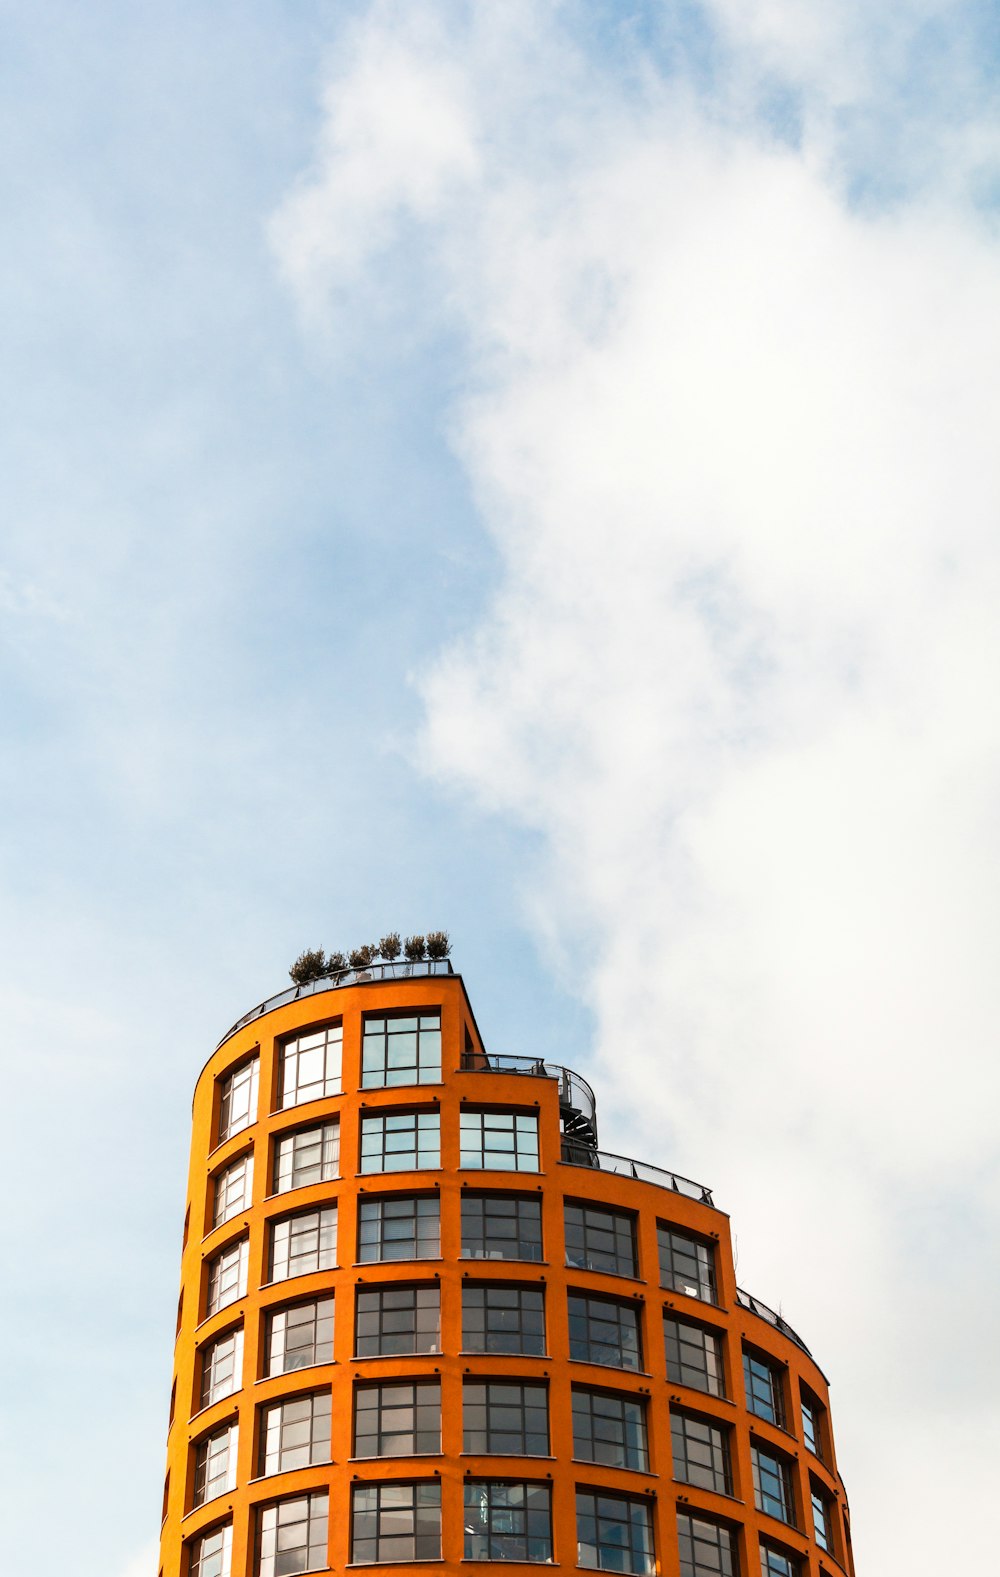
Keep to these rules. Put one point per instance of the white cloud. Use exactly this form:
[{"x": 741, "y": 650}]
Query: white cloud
[{"x": 735, "y": 443}]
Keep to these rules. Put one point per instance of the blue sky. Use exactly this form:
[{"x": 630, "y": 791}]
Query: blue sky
[{"x": 529, "y": 469}]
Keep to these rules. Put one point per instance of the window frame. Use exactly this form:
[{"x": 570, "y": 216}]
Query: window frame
[
  {"x": 282, "y": 1311},
  {"x": 424, "y": 1070},
  {"x": 328, "y": 1132},
  {"x": 642, "y": 1553},
  {"x": 431, "y": 1498},
  {"x": 527, "y": 1299},
  {"x": 376, "y": 1205},
  {"x": 220, "y": 1183},
  {"x": 424, "y": 1155},
  {"x": 272, "y": 1422},
  {"x": 296, "y": 1092},
  {"x": 618, "y": 1260},
  {"x": 228, "y": 1124},
  {"x": 672, "y": 1244},
  {"x": 630, "y": 1457},
  {"x": 196, "y": 1553},
  {"x": 324, "y": 1253},
  {"x": 488, "y": 1439},
  {"x": 785, "y": 1476},
  {"x": 694, "y": 1439},
  {"x": 523, "y": 1204},
  {"x": 425, "y": 1395},
  {"x": 311, "y": 1498},
  {"x": 725, "y": 1543},
  {"x": 764, "y": 1380},
  {"x": 217, "y": 1270},
  {"x": 678, "y": 1371},
  {"x": 202, "y": 1455},
  {"x": 483, "y": 1158},
  {"x": 206, "y": 1395},
  {"x": 387, "y": 1290},
  {"x": 487, "y": 1487},
  {"x": 621, "y": 1305}
]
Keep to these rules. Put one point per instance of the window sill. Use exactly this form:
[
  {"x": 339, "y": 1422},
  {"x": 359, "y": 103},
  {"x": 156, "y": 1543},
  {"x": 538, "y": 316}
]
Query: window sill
[
  {"x": 414, "y": 1560},
  {"x": 500, "y": 1259},
  {"x": 396, "y": 1456},
  {"x": 279, "y": 1472},
  {"x": 613, "y": 1368},
  {"x": 704, "y": 1489},
  {"x": 540, "y": 1357},
  {"x": 487, "y": 1560},
  {"x": 620, "y": 1467},
  {"x": 515, "y": 1456},
  {"x": 322, "y": 1270},
  {"x": 598, "y": 1270},
  {"x": 288, "y": 1374},
  {"x": 297, "y": 1187},
  {"x": 410, "y": 1259},
  {"x": 382, "y": 1357}
]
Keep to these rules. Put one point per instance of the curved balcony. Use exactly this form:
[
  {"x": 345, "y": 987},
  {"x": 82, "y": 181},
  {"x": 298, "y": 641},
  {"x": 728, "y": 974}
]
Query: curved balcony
[
  {"x": 343, "y": 977},
  {"x": 575, "y": 1154},
  {"x": 577, "y": 1101},
  {"x": 746, "y": 1300}
]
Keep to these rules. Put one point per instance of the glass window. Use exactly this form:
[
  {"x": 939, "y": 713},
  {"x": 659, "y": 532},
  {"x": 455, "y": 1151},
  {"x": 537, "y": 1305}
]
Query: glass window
[
  {"x": 222, "y": 1367},
  {"x": 707, "y": 1549},
  {"x": 215, "y": 1464},
  {"x": 303, "y": 1243},
  {"x": 399, "y": 1226},
  {"x": 604, "y": 1330},
  {"x": 227, "y": 1275},
  {"x": 398, "y": 1049},
  {"x": 614, "y": 1532},
  {"x": 775, "y": 1563},
  {"x": 772, "y": 1485},
  {"x": 310, "y": 1155},
  {"x": 397, "y": 1418},
  {"x": 507, "y": 1522},
  {"x": 598, "y": 1239},
  {"x": 238, "y": 1099},
  {"x": 309, "y": 1066},
  {"x": 812, "y": 1424},
  {"x": 694, "y": 1356},
  {"x": 609, "y": 1427},
  {"x": 293, "y": 1535},
  {"x": 212, "y": 1554},
  {"x": 295, "y": 1433},
  {"x": 393, "y": 1320},
  {"x": 822, "y": 1527},
  {"x": 503, "y": 1318},
  {"x": 500, "y": 1141},
  {"x": 764, "y": 1389},
  {"x": 505, "y": 1419},
  {"x": 501, "y": 1226},
  {"x": 400, "y": 1141},
  {"x": 233, "y": 1189},
  {"x": 701, "y": 1453},
  {"x": 396, "y": 1522},
  {"x": 686, "y": 1265},
  {"x": 299, "y": 1335}
]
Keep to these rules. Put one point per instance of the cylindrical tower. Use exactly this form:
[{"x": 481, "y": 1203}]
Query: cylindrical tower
[{"x": 423, "y": 1317}]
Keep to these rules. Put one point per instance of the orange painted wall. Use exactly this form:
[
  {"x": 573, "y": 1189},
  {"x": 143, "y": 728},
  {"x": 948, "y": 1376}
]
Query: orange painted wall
[{"x": 555, "y": 1182}]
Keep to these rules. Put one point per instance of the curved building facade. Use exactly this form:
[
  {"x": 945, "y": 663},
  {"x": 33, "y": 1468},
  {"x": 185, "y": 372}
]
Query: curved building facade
[{"x": 424, "y": 1318}]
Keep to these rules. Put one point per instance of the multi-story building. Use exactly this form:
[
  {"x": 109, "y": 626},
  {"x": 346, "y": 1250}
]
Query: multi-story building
[{"x": 424, "y": 1318}]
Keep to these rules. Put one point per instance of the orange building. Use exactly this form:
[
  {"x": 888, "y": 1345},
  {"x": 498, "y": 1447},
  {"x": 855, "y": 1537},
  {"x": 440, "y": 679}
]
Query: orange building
[{"x": 424, "y": 1318}]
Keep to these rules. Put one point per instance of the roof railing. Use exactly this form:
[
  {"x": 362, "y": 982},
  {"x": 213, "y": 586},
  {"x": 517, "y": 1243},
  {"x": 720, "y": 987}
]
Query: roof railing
[
  {"x": 746, "y": 1300},
  {"x": 623, "y": 1166},
  {"x": 343, "y": 977},
  {"x": 575, "y": 1093}
]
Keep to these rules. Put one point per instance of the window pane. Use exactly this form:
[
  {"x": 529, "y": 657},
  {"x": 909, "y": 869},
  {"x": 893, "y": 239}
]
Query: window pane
[
  {"x": 501, "y": 1318},
  {"x": 772, "y": 1483},
  {"x": 609, "y": 1427},
  {"x": 233, "y": 1189},
  {"x": 604, "y": 1330},
  {"x": 764, "y": 1388},
  {"x": 215, "y": 1464},
  {"x": 299, "y": 1335},
  {"x": 686, "y": 1265},
  {"x": 399, "y": 1226},
  {"x": 222, "y": 1367},
  {"x": 396, "y": 1522},
  {"x": 238, "y": 1100},
  {"x": 614, "y": 1533},
  {"x": 694, "y": 1356},
  {"x": 227, "y": 1275},
  {"x": 400, "y": 1141},
  {"x": 309, "y": 1066},
  {"x": 399, "y": 1049},
  {"x": 501, "y": 1226},
  {"x": 393, "y": 1320},
  {"x": 507, "y": 1522},
  {"x": 707, "y": 1549},
  {"x": 211, "y": 1554},
  {"x": 310, "y": 1155},
  {"x": 303, "y": 1243},
  {"x": 701, "y": 1453},
  {"x": 500, "y": 1141},
  {"x": 293, "y": 1535},
  {"x": 295, "y": 1433},
  {"x": 397, "y": 1418},
  {"x": 506, "y": 1418},
  {"x": 598, "y": 1239}
]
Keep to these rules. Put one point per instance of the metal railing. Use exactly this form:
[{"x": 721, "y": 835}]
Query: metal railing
[
  {"x": 746, "y": 1300},
  {"x": 624, "y": 1166},
  {"x": 575, "y": 1093},
  {"x": 343, "y": 977}
]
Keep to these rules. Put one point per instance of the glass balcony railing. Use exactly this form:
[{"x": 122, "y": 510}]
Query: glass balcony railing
[
  {"x": 746, "y": 1300},
  {"x": 343, "y": 977},
  {"x": 577, "y": 1100},
  {"x": 574, "y": 1154}
]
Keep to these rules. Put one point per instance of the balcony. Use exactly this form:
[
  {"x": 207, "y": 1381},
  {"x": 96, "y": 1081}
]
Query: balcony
[
  {"x": 574, "y": 1154},
  {"x": 746, "y": 1300},
  {"x": 577, "y": 1101},
  {"x": 344, "y": 977}
]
